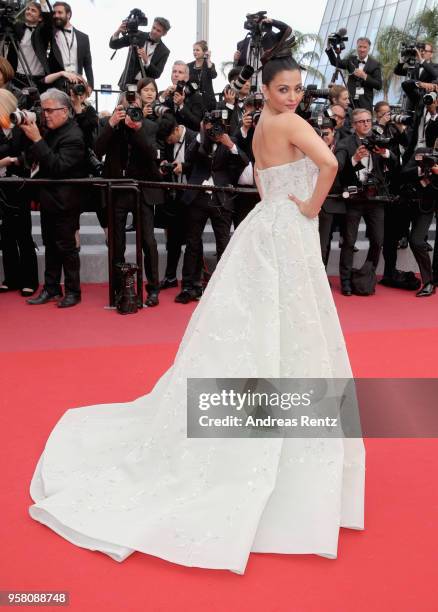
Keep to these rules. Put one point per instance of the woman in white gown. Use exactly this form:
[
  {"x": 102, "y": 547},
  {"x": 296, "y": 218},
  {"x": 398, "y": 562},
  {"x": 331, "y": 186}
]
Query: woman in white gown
[{"x": 120, "y": 478}]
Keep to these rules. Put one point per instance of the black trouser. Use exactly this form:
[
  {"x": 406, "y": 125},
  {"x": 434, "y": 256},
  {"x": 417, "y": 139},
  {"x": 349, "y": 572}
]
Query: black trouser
[
  {"x": 19, "y": 258},
  {"x": 421, "y": 221},
  {"x": 123, "y": 204},
  {"x": 199, "y": 211},
  {"x": 396, "y": 221},
  {"x": 58, "y": 231},
  {"x": 373, "y": 214},
  {"x": 243, "y": 204},
  {"x": 175, "y": 214},
  {"x": 327, "y": 223}
]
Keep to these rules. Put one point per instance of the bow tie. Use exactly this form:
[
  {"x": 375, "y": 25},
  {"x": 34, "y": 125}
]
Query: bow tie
[
  {"x": 31, "y": 28},
  {"x": 65, "y": 30},
  {"x": 362, "y": 62}
]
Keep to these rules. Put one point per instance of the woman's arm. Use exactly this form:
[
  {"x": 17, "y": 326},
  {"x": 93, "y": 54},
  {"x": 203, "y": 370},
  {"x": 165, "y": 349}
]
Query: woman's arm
[
  {"x": 301, "y": 135},
  {"x": 258, "y": 182}
]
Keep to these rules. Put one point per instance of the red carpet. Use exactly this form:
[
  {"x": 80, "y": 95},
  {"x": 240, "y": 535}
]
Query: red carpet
[{"x": 52, "y": 360}]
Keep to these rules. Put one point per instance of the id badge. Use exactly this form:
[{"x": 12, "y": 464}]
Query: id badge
[{"x": 360, "y": 91}]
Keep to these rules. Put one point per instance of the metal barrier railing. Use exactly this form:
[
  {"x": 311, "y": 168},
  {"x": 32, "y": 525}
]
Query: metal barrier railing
[{"x": 109, "y": 186}]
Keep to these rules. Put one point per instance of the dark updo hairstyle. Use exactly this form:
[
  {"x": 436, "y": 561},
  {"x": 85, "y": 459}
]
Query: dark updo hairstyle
[{"x": 279, "y": 58}]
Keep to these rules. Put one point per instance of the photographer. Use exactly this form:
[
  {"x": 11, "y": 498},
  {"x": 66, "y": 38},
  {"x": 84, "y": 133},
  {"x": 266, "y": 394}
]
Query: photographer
[
  {"x": 19, "y": 258},
  {"x": 397, "y": 219},
  {"x": 365, "y": 73},
  {"x": 339, "y": 96},
  {"x": 202, "y": 71},
  {"x": 333, "y": 210},
  {"x": 148, "y": 91},
  {"x": 244, "y": 203},
  {"x": 32, "y": 37},
  {"x": 60, "y": 154},
  {"x": 182, "y": 99},
  {"x": 147, "y": 48},
  {"x": 422, "y": 69},
  {"x": 363, "y": 166},
  {"x": 258, "y": 25},
  {"x": 234, "y": 96},
  {"x": 70, "y": 48},
  {"x": 216, "y": 160},
  {"x": 419, "y": 190},
  {"x": 419, "y": 94},
  {"x": 177, "y": 140},
  {"x": 128, "y": 142}
]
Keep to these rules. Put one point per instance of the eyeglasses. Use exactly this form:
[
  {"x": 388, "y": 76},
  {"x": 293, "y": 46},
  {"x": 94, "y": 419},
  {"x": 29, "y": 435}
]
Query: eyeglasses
[
  {"x": 49, "y": 111},
  {"x": 363, "y": 121}
]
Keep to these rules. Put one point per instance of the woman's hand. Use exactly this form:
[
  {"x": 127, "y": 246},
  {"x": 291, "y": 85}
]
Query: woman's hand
[
  {"x": 147, "y": 110},
  {"x": 306, "y": 207}
]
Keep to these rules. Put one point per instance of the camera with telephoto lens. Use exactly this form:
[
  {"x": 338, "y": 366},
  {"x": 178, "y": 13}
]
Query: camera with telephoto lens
[
  {"x": 159, "y": 109},
  {"x": 135, "y": 19},
  {"x": 337, "y": 40},
  {"x": 376, "y": 139},
  {"x": 218, "y": 120},
  {"x": 406, "y": 118},
  {"x": 430, "y": 98},
  {"x": 312, "y": 92},
  {"x": 78, "y": 89},
  {"x": 321, "y": 123},
  {"x": 425, "y": 159},
  {"x": 244, "y": 75},
  {"x": 253, "y": 23},
  {"x": 24, "y": 117}
]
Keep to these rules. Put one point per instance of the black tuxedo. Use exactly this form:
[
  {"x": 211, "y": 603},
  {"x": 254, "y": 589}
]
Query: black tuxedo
[
  {"x": 132, "y": 154},
  {"x": 225, "y": 168},
  {"x": 371, "y": 211},
  {"x": 174, "y": 215},
  {"x": 415, "y": 96},
  {"x": 372, "y": 82},
  {"x": 40, "y": 39},
  {"x": 192, "y": 112},
  {"x": 84, "y": 60},
  {"x": 427, "y": 72},
  {"x": 60, "y": 155},
  {"x": 155, "y": 68}
]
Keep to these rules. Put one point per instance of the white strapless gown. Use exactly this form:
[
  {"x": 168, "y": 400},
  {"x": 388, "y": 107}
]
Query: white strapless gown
[{"x": 120, "y": 478}]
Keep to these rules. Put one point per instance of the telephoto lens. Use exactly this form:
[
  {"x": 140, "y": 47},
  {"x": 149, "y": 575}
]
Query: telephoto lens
[
  {"x": 21, "y": 117},
  {"x": 430, "y": 98}
]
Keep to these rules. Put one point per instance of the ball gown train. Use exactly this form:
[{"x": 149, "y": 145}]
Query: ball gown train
[{"x": 120, "y": 478}]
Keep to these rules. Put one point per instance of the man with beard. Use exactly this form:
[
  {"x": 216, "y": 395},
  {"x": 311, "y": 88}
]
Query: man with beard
[{"x": 70, "y": 48}]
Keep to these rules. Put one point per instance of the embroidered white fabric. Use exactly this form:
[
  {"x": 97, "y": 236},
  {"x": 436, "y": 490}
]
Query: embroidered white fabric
[{"x": 120, "y": 478}]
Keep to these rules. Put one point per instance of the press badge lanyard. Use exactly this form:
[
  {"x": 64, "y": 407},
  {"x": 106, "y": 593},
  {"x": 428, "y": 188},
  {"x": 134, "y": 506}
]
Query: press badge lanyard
[{"x": 69, "y": 46}]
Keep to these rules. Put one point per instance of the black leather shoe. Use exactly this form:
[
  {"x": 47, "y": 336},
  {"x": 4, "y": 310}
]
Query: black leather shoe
[
  {"x": 346, "y": 289},
  {"x": 71, "y": 299},
  {"x": 167, "y": 284},
  {"x": 186, "y": 296},
  {"x": 43, "y": 298},
  {"x": 426, "y": 290},
  {"x": 152, "y": 299}
]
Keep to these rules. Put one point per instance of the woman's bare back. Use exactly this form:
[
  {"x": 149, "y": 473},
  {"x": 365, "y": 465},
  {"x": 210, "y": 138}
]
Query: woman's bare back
[{"x": 271, "y": 145}]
